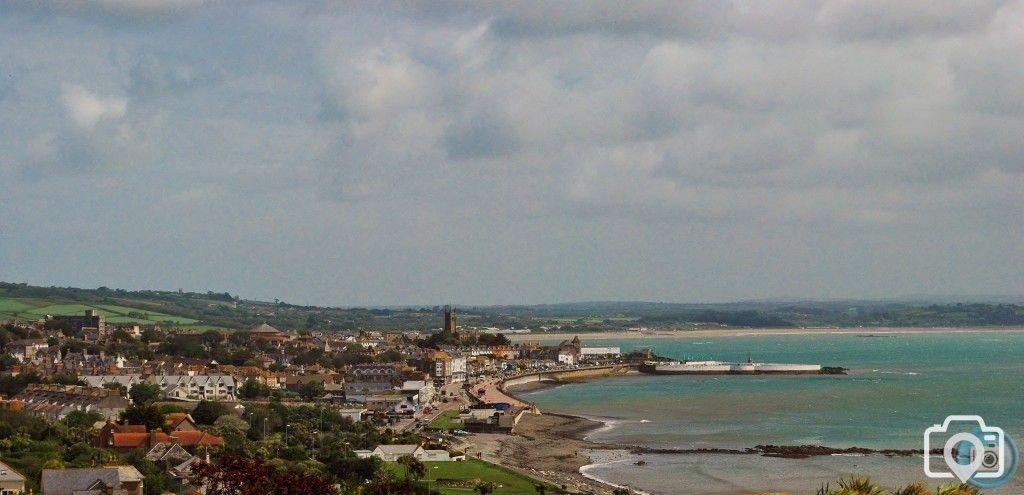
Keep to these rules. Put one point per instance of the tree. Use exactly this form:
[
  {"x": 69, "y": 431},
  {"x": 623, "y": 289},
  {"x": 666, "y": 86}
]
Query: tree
[
  {"x": 207, "y": 412},
  {"x": 485, "y": 488},
  {"x": 144, "y": 394},
  {"x": 414, "y": 468},
  {"x": 311, "y": 390},
  {"x": 233, "y": 475},
  {"x": 6, "y": 361},
  {"x": 211, "y": 338},
  {"x": 252, "y": 389},
  {"x": 540, "y": 488},
  {"x": 232, "y": 429},
  {"x": 148, "y": 415}
]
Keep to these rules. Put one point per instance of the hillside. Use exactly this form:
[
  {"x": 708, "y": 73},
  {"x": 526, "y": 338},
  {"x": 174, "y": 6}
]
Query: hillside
[{"x": 222, "y": 310}]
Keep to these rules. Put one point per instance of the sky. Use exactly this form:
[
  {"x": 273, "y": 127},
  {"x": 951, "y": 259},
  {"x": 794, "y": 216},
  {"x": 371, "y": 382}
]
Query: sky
[{"x": 377, "y": 153}]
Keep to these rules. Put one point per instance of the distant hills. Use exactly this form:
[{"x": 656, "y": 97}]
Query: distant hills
[{"x": 222, "y": 310}]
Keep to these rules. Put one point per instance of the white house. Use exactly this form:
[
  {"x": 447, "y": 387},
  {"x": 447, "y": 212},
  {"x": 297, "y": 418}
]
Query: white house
[
  {"x": 599, "y": 352},
  {"x": 566, "y": 356},
  {"x": 391, "y": 453},
  {"x": 421, "y": 391}
]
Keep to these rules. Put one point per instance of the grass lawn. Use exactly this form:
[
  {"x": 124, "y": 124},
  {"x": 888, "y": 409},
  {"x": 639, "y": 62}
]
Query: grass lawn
[
  {"x": 446, "y": 421},
  {"x": 509, "y": 482}
]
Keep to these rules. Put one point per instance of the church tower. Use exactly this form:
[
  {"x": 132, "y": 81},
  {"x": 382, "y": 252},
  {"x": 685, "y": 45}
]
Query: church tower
[{"x": 449, "y": 320}]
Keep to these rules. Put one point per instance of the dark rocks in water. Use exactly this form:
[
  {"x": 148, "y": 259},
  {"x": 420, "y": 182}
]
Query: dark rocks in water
[
  {"x": 787, "y": 451},
  {"x": 805, "y": 451},
  {"x": 653, "y": 450},
  {"x": 640, "y": 463}
]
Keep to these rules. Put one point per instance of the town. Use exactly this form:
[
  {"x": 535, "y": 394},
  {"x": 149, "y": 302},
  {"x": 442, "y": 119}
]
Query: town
[{"x": 89, "y": 406}]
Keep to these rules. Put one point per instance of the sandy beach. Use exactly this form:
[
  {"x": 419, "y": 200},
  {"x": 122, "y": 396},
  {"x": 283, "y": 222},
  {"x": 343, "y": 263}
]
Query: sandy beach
[
  {"x": 668, "y": 333},
  {"x": 550, "y": 447}
]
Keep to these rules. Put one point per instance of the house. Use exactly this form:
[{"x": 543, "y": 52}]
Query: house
[
  {"x": 332, "y": 382},
  {"x": 54, "y": 402},
  {"x": 444, "y": 367},
  {"x": 180, "y": 421},
  {"x": 115, "y": 480},
  {"x": 196, "y": 387},
  {"x": 391, "y": 453},
  {"x": 169, "y": 454},
  {"x": 353, "y": 414},
  {"x": 421, "y": 391},
  {"x": 367, "y": 379},
  {"x": 11, "y": 481},
  {"x": 183, "y": 431},
  {"x": 430, "y": 455},
  {"x": 388, "y": 403},
  {"x": 178, "y": 387},
  {"x": 26, "y": 349},
  {"x": 269, "y": 335}
]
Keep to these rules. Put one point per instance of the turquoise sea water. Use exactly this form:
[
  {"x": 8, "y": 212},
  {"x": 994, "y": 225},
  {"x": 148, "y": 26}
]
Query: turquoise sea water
[{"x": 898, "y": 385}]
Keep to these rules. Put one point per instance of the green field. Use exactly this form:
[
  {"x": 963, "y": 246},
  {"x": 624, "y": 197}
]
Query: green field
[
  {"x": 28, "y": 308},
  {"x": 508, "y": 482},
  {"x": 446, "y": 421}
]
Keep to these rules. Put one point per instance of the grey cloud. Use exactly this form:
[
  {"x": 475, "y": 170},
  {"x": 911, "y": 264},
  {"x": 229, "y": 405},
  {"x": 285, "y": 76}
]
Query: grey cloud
[
  {"x": 342, "y": 153},
  {"x": 152, "y": 75},
  {"x": 478, "y": 136},
  {"x": 857, "y": 19}
]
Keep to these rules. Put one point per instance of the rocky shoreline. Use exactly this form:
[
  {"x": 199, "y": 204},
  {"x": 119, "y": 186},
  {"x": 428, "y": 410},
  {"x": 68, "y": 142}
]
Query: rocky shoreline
[
  {"x": 547, "y": 447},
  {"x": 553, "y": 447}
]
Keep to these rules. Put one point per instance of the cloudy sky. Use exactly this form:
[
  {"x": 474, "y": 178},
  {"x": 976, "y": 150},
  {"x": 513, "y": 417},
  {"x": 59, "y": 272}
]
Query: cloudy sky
[{"x": 353, "y": 153}]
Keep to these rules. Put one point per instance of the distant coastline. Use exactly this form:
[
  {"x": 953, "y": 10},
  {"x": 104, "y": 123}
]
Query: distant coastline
[{"x": 746, "y": 332}]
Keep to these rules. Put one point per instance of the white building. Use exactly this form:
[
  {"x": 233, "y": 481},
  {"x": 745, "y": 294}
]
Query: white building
[
  {"x": 421, "y": 391},
  {"x": 566, "y": 356},
  {"x": 175, "y": 387},
  {"x": 606, "y": 352}
]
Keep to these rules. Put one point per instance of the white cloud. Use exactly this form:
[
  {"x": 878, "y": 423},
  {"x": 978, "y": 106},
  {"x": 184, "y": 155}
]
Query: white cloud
[{"x": 86, "y": 108}]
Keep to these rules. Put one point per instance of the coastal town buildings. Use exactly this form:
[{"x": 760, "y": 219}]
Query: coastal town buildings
[
  {"x": 90, "y": 319},
  {"x": 179, "y": 429},
  {"x": 268, "y": 335},
  {"x": 55, "y": 402},
  {"x": 116, "y": 480},
  {"x": 391, "y": 453},
  {"x": 26, "y": 349},
  {"x": 444, "y": 367},
  {"x": 11, "y": 481},
  {"x": 370, "y": 379},
  {"x": 175, "y": 387}
]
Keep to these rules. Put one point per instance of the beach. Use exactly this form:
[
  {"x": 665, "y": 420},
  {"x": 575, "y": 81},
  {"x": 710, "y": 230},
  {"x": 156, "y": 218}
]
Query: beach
[{"x": 550, "y": 447}]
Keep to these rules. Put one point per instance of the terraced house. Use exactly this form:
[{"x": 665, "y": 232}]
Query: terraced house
[{"x": 176, "y": 387}]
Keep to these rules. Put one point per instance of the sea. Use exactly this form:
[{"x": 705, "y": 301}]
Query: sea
[{"x": 899, "y": 385}]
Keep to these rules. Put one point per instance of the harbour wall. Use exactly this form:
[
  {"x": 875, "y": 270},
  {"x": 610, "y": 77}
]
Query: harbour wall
[{"x": 570, "y": 375}]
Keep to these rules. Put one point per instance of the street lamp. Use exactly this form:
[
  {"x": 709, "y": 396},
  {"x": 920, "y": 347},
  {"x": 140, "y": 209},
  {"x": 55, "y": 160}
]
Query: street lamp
[
  {"x": 265, "y": 428},
  {"x": 286, "y": 435},
  {"x": 428, "y": 479}
]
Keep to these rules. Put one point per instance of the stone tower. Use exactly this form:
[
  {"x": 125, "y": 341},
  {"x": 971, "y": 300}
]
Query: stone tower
[{"x": 449, "y": 320}]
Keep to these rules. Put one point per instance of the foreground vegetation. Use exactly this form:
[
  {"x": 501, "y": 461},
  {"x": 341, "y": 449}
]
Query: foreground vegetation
[{"x": 863, "y": 486}]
